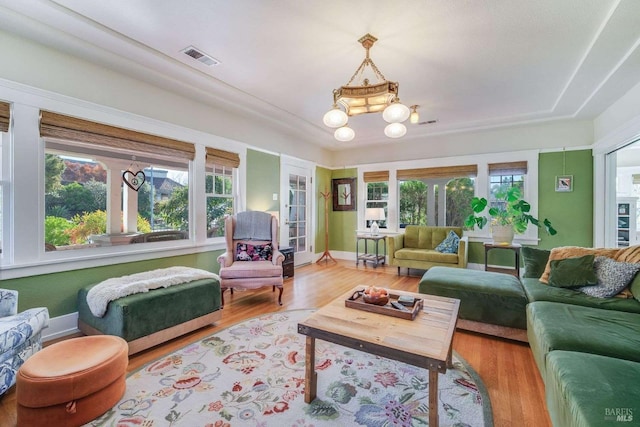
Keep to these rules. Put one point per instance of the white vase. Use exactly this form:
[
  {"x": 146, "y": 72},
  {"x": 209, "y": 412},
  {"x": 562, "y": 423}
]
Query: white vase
[{"x": 502, "y": 234}]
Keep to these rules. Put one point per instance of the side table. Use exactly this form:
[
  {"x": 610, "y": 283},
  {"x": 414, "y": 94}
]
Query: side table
[
  {"x": 287, "y": 264},
  {"x": 515, "y": 247},
  {"x": 375, "y": 257}
]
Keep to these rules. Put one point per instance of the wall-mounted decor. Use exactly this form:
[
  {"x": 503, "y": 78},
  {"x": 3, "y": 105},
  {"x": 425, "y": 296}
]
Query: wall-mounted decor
[
  {"x": 344, "y": 194},
  {"x": 564, "y": 183}
]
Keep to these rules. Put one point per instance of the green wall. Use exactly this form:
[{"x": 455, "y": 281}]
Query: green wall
[
  {"x": 343, "y": 224},
  {"x": 263, "y": 179},
  {"x": 57, "y": 291},
  {"x": 323, "y": 185},
  {"x": 571, "y": 213}
]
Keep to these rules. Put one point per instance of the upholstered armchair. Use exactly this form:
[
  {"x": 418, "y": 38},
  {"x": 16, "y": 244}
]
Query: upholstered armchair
[
  {"x": 20, "y": 336},
  {"x": 252, "y": 259}
]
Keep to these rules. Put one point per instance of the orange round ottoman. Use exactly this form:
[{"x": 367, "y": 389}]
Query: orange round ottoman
[{"x": 72, "y": 382}]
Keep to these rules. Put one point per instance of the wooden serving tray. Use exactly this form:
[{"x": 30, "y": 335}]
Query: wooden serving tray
[{"x": 356, "y": 301}]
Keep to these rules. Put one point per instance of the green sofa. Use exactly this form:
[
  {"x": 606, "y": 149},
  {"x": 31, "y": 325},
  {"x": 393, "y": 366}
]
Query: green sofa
[
  {"x": 415, "y": 248},
  {"x": 586, "y": 348}
]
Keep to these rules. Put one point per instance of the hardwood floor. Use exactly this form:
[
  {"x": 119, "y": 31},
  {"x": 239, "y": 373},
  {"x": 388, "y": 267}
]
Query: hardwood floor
[{"x": 506, "y": 367}]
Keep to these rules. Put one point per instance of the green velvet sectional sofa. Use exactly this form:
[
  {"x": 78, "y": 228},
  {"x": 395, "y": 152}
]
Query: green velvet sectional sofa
[
  {"x": 587, "y": 349},
  {"x": 415, "y": 248}
]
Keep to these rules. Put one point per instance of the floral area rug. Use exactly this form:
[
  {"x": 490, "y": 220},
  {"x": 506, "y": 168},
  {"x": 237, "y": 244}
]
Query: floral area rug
[{"x": 252, "y": 374}]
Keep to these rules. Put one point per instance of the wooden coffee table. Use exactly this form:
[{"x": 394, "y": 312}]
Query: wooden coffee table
[{"x": 424, "y": 342}]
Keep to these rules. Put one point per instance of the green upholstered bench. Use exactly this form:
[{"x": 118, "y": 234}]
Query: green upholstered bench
[
  {"x": 591, "y": 390},
  {"x": 555, "y": 326},
  {"x": 490, "y": 303},
  {"x": 150, "y": 318}
]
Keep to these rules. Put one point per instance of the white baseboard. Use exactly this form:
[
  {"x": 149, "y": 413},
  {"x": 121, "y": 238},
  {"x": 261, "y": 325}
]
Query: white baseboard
[{"x": 61, "y": 326}]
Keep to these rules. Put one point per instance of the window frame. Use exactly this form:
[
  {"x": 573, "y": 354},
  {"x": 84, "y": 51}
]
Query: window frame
[
  {"x": 26, "y": 256},
  {"x": 481, "y": 187},
  {"x": 233, "y": 196}
]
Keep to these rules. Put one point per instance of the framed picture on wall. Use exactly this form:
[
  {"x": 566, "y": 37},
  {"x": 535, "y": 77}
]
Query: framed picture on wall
[
  {"x": 344, "y": 194},
  {"x": 564, "y": 183}
]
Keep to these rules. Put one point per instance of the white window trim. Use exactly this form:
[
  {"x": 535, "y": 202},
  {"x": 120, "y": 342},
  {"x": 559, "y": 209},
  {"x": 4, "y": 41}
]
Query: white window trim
[
  {"x": 26, "y": 256},
  {"x": 481, "y": 187}
]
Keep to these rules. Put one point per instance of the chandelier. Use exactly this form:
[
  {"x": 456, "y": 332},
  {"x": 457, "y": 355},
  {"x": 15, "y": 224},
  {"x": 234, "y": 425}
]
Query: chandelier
[{"x": 364, "y": 97}]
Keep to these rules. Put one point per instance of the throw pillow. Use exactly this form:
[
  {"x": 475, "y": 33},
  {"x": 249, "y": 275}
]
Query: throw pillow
[
  {"x": 450, "y": 244},
  {"x": 613, "y": 277},
  {"x": 634, "y": 287},
  {"x": 573, "y": 272},
  {"x": 574, "y": 251},
  {"x": 630, "y": 254},
  {"x": 535, "y": 261},
  {"x": 249, "y": 252}
]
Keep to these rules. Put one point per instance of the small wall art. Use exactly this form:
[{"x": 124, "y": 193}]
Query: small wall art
[
  {"x": 344, "y": 194},
  {"x": 564, "y": 183}
]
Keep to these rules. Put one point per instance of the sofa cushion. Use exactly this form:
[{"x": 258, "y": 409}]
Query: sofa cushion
[
  {"x": 450, "y": 244},
  {"x": 574, "y": 251},
  {"x": 573, "y": 272},
  {"x": 485, "y": 297},
  {"x": 554, "y": 326},
  {"x": 591, "y": 390},
  {"x": 629, "y": 254},
  {"x": 613, "y": 277},
  {"x": 426, "y": 255},
  {"x": 425, "y": 237},
  {"x": 538, "y": 291},
  {"x": 535, "y": 261},
  {"x": 258, "y": 269}
]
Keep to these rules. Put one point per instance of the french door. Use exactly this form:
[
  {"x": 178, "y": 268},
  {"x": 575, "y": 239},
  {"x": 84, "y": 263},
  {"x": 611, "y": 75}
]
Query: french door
[{"x": 296, "y": 222}]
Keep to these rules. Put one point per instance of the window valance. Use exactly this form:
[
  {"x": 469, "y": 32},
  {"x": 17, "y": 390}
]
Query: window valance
[
  {"x": 222, "y": 158},
  {"x": 5, "y": 116},
  {"x": 438, "y": 172},
  {"x": 378, "y": 176},
  {"x": 508, "y": 168},
  {"x": 54, "y": 125}
]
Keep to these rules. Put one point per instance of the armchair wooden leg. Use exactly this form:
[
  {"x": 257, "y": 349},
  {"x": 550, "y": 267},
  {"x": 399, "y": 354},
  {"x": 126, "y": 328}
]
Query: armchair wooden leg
[
  {"x": 279, "y": 295},
  {"x": 222, "y": 296},
  {"x": 398, "y": 271}
]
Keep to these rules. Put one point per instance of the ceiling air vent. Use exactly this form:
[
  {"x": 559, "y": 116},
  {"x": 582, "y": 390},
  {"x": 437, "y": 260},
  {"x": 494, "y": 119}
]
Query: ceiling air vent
[{"x": 200, "y": 56}]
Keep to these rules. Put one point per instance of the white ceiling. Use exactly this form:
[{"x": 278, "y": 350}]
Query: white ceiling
[{"x": 468, "y": 64}]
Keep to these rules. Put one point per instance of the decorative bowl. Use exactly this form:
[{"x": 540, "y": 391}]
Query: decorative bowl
[{"x": 376, "y": 300}]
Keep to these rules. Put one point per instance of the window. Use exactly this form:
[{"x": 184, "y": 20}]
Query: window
[
  {"x": 421, "y": 201},
  {"x": 219, "y": 192},
  {"x": 106, "y": 186},
  {"x": 221, "y": 180},
  {"x": 459, "y": 192},
  {"x": 413, "y": 203},
  {"x": 377, "y": 193},
  {"x": 5, "y": 118},
  {"x": 503, "y": 176}
]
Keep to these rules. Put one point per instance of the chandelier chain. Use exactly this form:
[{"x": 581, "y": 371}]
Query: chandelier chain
[{"x": 360, "y": 71}]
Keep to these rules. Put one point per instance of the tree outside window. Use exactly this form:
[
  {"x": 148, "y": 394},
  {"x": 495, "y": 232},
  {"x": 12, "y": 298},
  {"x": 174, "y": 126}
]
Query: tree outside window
[
  {"x": 219, "y": 193},
  {"x": 378, "y": 197},
  {"x": 413, "y": 203},
  {"x": 76, "y": 198}
]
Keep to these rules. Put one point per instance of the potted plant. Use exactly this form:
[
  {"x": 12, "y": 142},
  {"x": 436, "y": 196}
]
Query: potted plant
[{"x": 511, "y": 216}]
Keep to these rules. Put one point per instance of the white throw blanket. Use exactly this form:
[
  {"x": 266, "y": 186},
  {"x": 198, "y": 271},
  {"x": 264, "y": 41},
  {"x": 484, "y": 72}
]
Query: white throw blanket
[{"x": 99, "y": 296}]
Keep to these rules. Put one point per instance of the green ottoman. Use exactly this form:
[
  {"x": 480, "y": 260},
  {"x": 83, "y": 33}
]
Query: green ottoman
[
  {"x": 486, "y": 299},
  {"x": 556, "y": 326},
  {"x": 590, "y": 390},
  {"x": 150, "y": 318}
]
